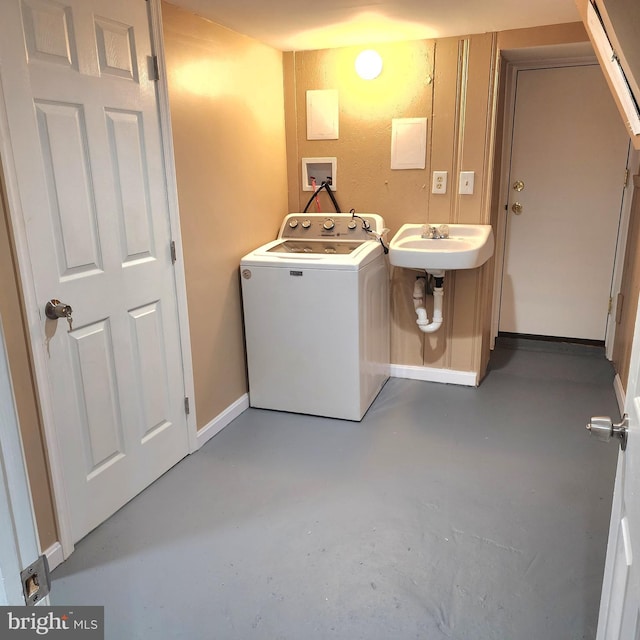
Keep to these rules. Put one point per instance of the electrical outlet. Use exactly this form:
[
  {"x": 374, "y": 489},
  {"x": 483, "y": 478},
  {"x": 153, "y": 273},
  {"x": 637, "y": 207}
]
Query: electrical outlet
[{"x": 439, "y": 182}]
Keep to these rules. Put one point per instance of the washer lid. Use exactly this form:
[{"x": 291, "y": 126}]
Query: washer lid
[
  {"x": 323, "y": 247},
  {"x": 348, "y": 256}
]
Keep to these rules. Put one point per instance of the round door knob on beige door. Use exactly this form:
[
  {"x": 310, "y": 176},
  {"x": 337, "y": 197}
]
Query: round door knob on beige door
[{"x": 517, "y": 208}]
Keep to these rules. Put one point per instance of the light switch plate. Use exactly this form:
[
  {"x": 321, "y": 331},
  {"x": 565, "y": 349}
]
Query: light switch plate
[
  {"x": 466, "y": 182},
  {"x": 439, "y": 182}
]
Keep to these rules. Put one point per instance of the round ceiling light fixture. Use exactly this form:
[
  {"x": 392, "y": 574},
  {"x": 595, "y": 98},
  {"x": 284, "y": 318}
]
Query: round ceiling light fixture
[{"x": 368, "y": 64}]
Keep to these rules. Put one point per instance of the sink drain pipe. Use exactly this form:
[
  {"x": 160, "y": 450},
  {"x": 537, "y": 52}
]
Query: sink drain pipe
[{"x": 419, "y": 289}]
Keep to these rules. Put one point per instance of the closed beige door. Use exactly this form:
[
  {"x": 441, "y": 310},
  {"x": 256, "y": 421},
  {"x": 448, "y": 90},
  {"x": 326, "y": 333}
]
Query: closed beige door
[{"x": 569, "y": 156}]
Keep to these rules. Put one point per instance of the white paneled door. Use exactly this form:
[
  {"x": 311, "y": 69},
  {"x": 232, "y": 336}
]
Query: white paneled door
[
  {"x": 620, "y": 604},
  {"x": 86, "y": 158}
]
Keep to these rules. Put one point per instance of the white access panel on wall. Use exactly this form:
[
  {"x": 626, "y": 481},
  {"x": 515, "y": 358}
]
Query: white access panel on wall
[
  {"x": 408, "y": 143},
  {"x": 322, "y": 114}
]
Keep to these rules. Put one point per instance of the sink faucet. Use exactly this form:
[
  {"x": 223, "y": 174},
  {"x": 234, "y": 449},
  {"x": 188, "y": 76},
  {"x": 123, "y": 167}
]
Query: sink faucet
[
  {"x": 435, "y": 233},
  {"x": 429, "y": 232}
]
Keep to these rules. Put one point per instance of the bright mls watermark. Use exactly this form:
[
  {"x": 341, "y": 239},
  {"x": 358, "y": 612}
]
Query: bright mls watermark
[{"x": 52, "y": 623}]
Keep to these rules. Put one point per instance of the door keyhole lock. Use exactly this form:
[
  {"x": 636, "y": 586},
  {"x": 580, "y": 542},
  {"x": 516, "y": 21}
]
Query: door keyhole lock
[
  {"x": 54, "y": 309},
  {"x": 603, "y": 428},
  {"x": 518, "y": 185}
]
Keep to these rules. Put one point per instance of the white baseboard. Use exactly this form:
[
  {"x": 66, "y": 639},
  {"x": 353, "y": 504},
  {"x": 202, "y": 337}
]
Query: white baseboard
[
  {"x": 620, "y": 394},
  {"x": 222, "y": 420},
  {"x": 432, "y": 374},
  {"x": 54, "y": 555}
]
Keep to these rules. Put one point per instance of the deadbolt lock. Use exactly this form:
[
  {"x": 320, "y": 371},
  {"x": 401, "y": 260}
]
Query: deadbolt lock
[{"x": 518, "y": 185}]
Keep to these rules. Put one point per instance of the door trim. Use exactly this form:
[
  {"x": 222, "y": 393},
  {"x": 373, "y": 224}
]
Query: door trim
[
  {"x": 34, "y": 314},
  {"x": 511, "y": 75},
  {"x": 19, "y": 545},
  {"x": 157, "y": 43}
]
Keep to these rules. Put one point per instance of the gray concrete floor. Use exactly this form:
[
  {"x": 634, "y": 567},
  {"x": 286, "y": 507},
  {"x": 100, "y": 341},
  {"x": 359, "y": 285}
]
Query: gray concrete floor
[{"x": 448, "y": 512}]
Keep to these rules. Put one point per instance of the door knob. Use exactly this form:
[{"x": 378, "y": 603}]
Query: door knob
[
  {"x": 603, "y": 428},
  {"x": 55, "y": 309},
  {"x": 516, "y": 207}
]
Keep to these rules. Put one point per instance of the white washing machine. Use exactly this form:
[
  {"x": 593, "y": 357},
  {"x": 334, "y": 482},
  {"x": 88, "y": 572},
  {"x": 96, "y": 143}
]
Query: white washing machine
[{"x": 316, "y": 316}]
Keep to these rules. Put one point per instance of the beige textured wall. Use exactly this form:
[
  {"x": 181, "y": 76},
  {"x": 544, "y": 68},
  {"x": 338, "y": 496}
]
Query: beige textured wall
[
  {"x": 567, "y": 33},
  {"x": 227, "y": 114},
  {"x": 450, "y": 82},
  {"x": 365, "y": 181},
  {"x": 24, "y": 388}
]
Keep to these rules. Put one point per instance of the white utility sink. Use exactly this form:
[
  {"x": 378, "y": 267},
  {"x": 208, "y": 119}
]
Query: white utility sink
[{"x": 467, "y": 247}]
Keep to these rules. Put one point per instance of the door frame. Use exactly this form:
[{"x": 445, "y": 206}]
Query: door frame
[
  {"x": 633, "y": 158},
  {"x": 19, "y": 545},
  {"x": 33, "y": 313}
]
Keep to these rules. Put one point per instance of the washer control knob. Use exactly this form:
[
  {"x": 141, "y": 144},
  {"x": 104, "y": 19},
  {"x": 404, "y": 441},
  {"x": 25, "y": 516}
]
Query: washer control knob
[
  {"x": 306, "y": 224},
  {"x": 329, "y": 224},
  {"x": 352, "y": 224},
  {"x": 293, "y": 223}
]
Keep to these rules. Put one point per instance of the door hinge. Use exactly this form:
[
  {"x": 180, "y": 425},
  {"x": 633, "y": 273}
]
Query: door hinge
[
  {"x": 154, "y": 70},
  {"x": 36, "y": 581},
  {"x": 187, "y": 407},
  {"x": 610, "y": 305},
  {"x": 619, "y": 305},
  {"x": 172, "y": 248},
  {"x": 626, "y": 178}
]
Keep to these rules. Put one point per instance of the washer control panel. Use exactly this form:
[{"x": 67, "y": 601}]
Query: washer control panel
[{"x": 341, "y": 226}]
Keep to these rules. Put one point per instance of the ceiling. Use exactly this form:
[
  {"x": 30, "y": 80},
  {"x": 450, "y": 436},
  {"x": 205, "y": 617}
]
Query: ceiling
[{"x": 295, "y": 25}]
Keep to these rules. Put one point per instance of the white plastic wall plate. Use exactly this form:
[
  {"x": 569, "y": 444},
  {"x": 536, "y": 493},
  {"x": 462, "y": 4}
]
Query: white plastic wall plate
[
  {"x": 320, "y": 169},
  {"x": 439, "y": 182},
  {"x": 467, "y": 179}
]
